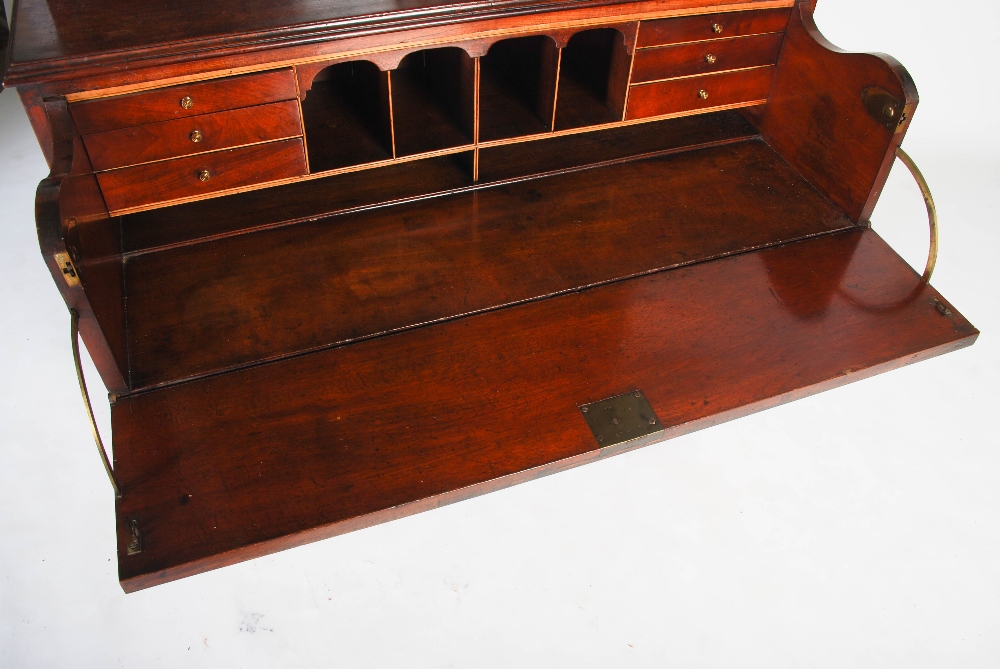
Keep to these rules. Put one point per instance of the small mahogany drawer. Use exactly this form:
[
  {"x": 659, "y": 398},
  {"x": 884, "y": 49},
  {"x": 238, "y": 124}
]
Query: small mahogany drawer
[
  {"x": 675, "y": 96},
  {"x": 712, "y": 26},
  {"x": 181, "y": 101},
  {"x": 198, "y": 134},
  {"x": 683, "y": 60},
  {"x": 132, "y": 187}
]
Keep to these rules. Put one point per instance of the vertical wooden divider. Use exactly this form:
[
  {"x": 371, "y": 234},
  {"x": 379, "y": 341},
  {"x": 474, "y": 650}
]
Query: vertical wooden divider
[
  {"x": 549, "y": 80},
  {"x": 619, "y": 77},
  {"x": 469, "y": 83},
  {"x": 628, "y": 80},
  {"x": 475, "y": 127},
  {"x": 302, "y": 118},
  {"x": 392, "y": 121}
]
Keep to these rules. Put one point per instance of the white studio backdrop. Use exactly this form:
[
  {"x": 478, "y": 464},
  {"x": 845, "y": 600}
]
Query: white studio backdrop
[{"x": 855, "y": 528}]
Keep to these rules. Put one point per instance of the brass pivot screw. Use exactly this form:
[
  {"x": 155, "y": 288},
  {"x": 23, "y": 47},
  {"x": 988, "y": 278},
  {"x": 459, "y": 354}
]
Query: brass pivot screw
[
  {"x": 890, "y": 112},
  {"x": 710, "y": 59},
  {"x": 195, "y": 136},
  {"x": 716, "y": 28},
  {"x": 703, "y": 94},
  {"x": 204, "y": 175},
  {"x": 187, "y": 102}
]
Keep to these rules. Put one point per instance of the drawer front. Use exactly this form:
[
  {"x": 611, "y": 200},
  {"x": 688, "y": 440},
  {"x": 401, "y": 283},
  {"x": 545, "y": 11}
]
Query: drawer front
[
  {"x": 692, "y": 93},
  {"x": 198, "y": 134},
  {"x": 182, "y": 101},
  {"x": 684, "y": 60},
  {"x": 711, "y": 26},
  {"x": 143, "y": 185}
]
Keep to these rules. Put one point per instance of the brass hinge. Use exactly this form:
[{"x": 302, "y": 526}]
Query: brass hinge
[
  {"x": 135, "y": 538},
  {"x": 68, "y": 269},
  {"x": 884, "y": 108}
]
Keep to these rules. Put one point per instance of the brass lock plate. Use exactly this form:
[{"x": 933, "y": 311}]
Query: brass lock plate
[
  {"x": 623, "y": 418},
  {"x": 68, "y": 269}
]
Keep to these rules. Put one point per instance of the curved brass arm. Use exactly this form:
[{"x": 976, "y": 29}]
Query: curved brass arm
[
  {"x": 931, "y": 211},
  {"x": 75, "y": 334}
]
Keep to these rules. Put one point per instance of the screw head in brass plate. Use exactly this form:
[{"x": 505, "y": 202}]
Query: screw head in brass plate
[
  {"x": 889, "y": 111},
  {"x": 710, "y": 59},
  {"x": 187, "y": 102},
  {"x": 716, "y": 28},
  {"x": 703, "y": 94},
  {"x": 195, "y": 136},
  {"x": 204, "y": 175}
]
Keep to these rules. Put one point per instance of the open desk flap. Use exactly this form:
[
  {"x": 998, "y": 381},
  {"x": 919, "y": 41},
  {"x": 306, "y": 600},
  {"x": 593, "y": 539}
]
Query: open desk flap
[{"x": 226, "y": 468}]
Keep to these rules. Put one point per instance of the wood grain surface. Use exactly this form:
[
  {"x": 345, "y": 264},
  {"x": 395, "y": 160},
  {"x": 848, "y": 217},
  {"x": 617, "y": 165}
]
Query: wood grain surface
[
  {"x": 165, "y": 103},
  {"x": 703, "y": 27},
  {"x": 179, "y": 178},
  {"x": 511, "y": 161},
  {"x": 84, "y": 39},
  {"x": 233, "y": 467},
  {"x": 239, "y": 300},
  {"x": 704, "y": 57},
  {"x": 678, "y": 95},
  {"x": 816, "y": 117},
  {"x": 296, "y": 202},
  {"x": 172, "y": 139}
]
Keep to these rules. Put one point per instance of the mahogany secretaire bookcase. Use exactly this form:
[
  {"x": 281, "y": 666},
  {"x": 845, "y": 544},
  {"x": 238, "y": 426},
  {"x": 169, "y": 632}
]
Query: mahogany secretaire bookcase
[{"x": 339, "y": 262}]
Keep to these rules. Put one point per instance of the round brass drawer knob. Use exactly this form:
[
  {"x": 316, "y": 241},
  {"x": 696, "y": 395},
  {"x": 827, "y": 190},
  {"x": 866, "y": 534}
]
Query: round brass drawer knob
[
  {"x": 187, "y": 102},
  {"x": 716, "y": 28},
  {"x": 196, "y": 136},
  {"x": 703, "y": 94},
  {"x": 710, "y": 59},
  {"x": 204, "y": 175}
]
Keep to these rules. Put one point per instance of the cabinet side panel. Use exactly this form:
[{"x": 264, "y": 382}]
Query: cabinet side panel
[
  {"x": 73, "y": 225},
  {"x": 817, "y": 120}
]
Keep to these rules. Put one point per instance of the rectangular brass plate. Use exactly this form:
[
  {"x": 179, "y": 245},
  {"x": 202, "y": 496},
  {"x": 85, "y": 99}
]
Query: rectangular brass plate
[{"x": 622, "y": 419}]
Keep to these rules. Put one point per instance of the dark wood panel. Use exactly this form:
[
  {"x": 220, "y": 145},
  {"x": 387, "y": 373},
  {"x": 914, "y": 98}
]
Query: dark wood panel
[
  {"x": 433, "y": 98},
  {"x": 182, "y": 177},
  {"x": 280, "y": 205},
  {"x": 346, "y": 116},
  {"x": 511, "y": 161},
  {"x": 711, "y": 26},
  {"x": 309, "y": 200},
  {"x": 238, "y": 300},
  {"x": 71, "y": 219},
  {"x": 816, "y": 117},
  {"x": 586, "y": 71},
  {"x": 172, "y": 139},
  {"x": 691, "y": 93},
  {"x": 163, "y": 104},
  {"x": 618, "y": 73},
  {"x": 81, "y": 38},
  {"x": 704, "y": 57},
  {"x": 237, "y": 466},
  {"x": 517, "y": 88}
]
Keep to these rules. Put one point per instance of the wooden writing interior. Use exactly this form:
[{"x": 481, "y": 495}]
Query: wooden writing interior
[
  {"x": 332, "y": 292},
  {"x": 363, "y": 114}
]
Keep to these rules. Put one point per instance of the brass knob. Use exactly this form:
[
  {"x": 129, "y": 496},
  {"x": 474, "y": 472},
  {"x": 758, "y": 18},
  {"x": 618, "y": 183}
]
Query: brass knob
[
  {"x": 195, "y": 136},
  {"x": 204, "y": 175},
  {"x": 703, "y": 94},
  {"x": 710, "y": 59},
  {"x": 187, "y": 102},
  {"x": 716, "y": 28}
]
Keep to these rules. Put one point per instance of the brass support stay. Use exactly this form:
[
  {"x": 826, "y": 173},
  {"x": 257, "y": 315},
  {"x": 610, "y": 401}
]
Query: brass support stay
[
  {"x": 75, "y": 336},
  {"x": 931, "y": 211}
]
